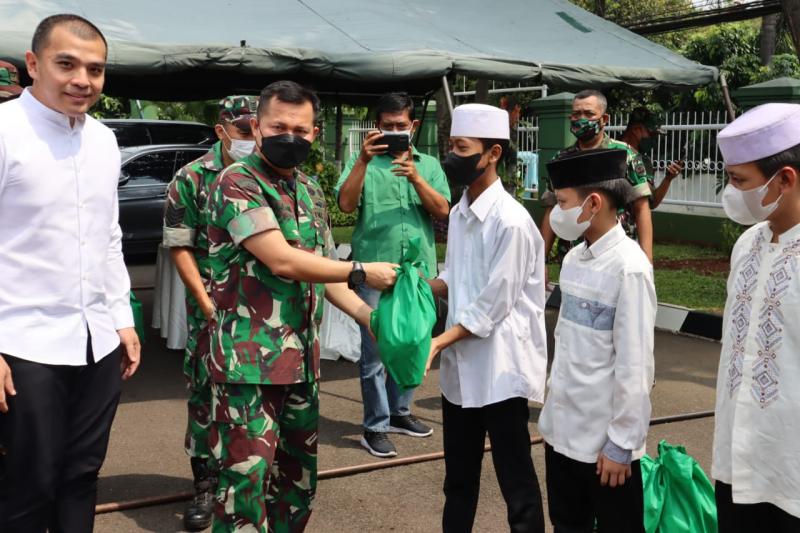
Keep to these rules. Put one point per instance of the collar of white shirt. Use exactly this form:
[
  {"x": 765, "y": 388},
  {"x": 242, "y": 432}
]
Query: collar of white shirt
[
  {"x": 33, "y": 105},
  {"x": 603, "y": 244},
  {"x": 787, "y": 236},
  {"x": 483, "y": 204}
]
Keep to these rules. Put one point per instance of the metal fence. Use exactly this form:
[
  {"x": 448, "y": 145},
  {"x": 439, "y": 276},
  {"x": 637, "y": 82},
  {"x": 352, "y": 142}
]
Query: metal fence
[
  {"x": 690, "y": 137},
  {"x": 356, "y": 136}
]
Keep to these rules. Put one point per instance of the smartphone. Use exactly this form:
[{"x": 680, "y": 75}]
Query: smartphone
[{"x": 396, "y": 142}]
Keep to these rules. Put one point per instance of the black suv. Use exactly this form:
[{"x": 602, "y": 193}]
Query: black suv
[
  {"x": 135, "y": 132},
  {"x": 146, "y": 173}
]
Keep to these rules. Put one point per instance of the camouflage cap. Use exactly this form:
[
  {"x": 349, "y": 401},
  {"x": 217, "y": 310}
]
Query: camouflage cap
[
  {"x": 645, "y": 117},
  {"x": 237, "y": 110},
  {"x": 9, "y": 80}
]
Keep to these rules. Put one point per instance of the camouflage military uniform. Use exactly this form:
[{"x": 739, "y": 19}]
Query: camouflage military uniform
[
  {"x": 638, "y": 177},
  {"x": 264, "y": 350},
  {"x": 185, "y": 222}
]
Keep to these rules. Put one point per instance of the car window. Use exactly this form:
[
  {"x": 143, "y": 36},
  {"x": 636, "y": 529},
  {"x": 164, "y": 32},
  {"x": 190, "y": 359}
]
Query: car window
[
  {"x": 187, "y": 156},
  {"x": 130, "y": 134},
  {"x": 180, "y": 133},
  {"x": 150, "y": 169}
]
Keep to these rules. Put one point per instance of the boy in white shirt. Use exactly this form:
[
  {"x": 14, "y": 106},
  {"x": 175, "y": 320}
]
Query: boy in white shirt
[
  {"x": 494, "y": 351},
  {"x": 757, "y": 427},
  {"x": 596, "y": 415}
]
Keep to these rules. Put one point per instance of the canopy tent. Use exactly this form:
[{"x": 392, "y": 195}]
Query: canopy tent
[{"x": 189, "y": 50}]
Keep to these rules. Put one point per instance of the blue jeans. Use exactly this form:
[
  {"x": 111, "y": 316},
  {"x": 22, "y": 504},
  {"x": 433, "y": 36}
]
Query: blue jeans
[{"x": 380, "y": 394}]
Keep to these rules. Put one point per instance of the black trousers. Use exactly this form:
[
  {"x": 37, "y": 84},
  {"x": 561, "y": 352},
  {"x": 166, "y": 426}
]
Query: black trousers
[
  {"x": 750, "y": 517},
  {"x": 576, "y": 499},
  {"x": 465, "y": 432},
  {"x": 54, "y": 440}
]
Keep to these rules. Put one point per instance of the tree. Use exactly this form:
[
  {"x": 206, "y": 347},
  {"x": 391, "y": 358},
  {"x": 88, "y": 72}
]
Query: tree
[
  {"x": 768, "y": 37},
  {"x": 791, "y": 10}
]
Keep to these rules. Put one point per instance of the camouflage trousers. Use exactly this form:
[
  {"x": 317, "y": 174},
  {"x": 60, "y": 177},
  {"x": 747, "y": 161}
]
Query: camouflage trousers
[
  {"x": 264, "y": 439},
  {"x": 198, "y": 422}
]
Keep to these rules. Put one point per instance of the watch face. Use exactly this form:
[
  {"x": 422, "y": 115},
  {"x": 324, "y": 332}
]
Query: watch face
[{"x": 359, "y": 276}]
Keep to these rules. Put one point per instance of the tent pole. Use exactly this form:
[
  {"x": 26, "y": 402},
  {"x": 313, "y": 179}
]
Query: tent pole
[
  {"x": 337, "y": 151},
  {"x": 447, "y": 95},
  {"x": 728, "y": 104},
  {"x": 422, "y": 120}
]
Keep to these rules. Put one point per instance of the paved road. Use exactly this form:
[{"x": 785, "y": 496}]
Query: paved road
[{"x": 146, "y": 456}]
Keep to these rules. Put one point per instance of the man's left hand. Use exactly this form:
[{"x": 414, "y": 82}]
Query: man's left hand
[
  {"x": 674, "y": 169},
  {"x": 404, "y": 166},
  {"x": 131, "y": 351},
  {"x": 611, "y": 473}
]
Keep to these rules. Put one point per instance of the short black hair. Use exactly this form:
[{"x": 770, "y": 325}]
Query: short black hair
[
  {"x": 587, "y": 93},
  {"x": 290, "y": 92},
  {"x": 788, "y": 158},
  {"x": 76, "y": 24},
  {"x": 615, "y": 191},
  {"x": 394, "y": 103},
  {"x": 505, "y": 144}
]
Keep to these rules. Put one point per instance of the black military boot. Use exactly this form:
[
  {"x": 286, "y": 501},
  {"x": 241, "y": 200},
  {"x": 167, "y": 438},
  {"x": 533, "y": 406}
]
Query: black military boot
[{"x": 200, "y": 511}]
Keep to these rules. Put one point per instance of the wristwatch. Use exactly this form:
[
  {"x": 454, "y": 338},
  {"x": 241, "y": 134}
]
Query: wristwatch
[{"x": 357, "y": 276}]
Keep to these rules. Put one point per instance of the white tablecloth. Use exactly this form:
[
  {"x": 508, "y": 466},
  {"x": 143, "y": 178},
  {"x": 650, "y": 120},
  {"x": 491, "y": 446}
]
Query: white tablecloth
[{"x": 169, "y": 302}]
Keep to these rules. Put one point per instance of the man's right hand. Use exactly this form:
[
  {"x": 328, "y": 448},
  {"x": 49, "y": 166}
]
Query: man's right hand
[
  {"x": 380, "y": 276},
  {"x": 6, "y": 385},
  {"x": 369, "y": 149}
]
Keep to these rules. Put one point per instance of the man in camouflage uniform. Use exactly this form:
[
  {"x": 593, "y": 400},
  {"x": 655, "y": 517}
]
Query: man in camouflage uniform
[
  {"x": 268, "y": 238},
  {"x": 588, "y": 120},
  {"x": 185, "y": 234},
  {"x": 644, "y": 128},
  {"x": 9, "y": 82}
]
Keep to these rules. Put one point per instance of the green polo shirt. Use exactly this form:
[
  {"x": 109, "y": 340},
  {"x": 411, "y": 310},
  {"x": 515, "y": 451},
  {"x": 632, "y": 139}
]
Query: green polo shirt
[{"x": 391, "y": 213}]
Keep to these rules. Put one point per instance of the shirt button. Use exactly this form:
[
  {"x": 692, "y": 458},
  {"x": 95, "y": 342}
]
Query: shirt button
[
  {"x": 85, "y": 278},
  {"x": 83, "y": 243}
]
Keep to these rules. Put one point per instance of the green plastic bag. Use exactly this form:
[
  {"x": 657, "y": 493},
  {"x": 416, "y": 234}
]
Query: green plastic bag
[
  {"x": 403, "y": 321},
  {"x": 678, "y": 497},
  {"x": 138, "y": 317}
]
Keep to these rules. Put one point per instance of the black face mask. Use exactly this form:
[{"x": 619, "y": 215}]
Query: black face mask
[
  {"x": 285, "y": 150},
  {"x": 462, "y": 170}
]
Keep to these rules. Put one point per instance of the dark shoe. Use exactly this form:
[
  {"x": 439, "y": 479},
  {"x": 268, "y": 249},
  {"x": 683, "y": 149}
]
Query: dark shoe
[
  {"x": 378, "y": 444},
  {"x": 200, "y": 511},
  {"x": 409, "y": 425}
]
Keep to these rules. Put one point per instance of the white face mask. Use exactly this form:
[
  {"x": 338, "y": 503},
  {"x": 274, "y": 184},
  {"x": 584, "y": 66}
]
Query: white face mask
[
  {"x": 565, "y": 222},
  {"x": 239, "y": 148},
  {"x": 744, "y": 207}
]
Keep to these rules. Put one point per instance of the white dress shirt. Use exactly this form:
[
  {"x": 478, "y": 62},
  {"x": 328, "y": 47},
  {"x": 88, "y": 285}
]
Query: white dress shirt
[
  {"x": 61, "y": 265},
  {"x": 757, "y": 425},
  {"x": 602, "y": 372},
  {"x": 494, "y": 270}
]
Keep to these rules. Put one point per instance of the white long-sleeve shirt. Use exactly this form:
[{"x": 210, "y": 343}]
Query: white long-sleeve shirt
[
  {"x": 494, "y": 270},
  {"x": 602, "y": 372},
  {"x": 61, "y": 264},
  {"x": 757, "y": 424}
]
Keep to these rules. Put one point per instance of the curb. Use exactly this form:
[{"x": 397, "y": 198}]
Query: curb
[{"x": 672, "y": 318}]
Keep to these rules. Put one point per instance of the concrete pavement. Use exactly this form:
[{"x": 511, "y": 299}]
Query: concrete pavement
[{"x": 146, "y": 457}]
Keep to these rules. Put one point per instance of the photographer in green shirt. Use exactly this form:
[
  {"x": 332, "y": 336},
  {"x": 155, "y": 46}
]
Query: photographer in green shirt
[{"x": 397, "y": 196}]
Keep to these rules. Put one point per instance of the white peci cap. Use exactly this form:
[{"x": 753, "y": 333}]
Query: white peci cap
[
  {"x": 763, "y": 131},
  {"x": 481, "y": 121}
]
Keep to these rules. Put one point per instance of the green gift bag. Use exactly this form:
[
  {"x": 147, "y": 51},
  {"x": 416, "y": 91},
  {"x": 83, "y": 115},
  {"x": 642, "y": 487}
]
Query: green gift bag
[
  {"x": 678, "y": 497},
  {"x": 138, "y": 316},
  {"x": 403, "y": 322}
]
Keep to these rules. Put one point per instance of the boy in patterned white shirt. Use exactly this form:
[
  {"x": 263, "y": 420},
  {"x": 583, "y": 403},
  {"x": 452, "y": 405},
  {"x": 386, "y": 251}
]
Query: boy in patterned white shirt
[{"x": 757, "y": 428}]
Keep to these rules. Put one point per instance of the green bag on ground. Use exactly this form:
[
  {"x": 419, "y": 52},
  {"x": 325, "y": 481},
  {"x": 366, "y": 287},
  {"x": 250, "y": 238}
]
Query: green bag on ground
[
  {"x": 138, "y": 317},
  {"x": 403, "y": 321},
  {"x": 678, "y": 497}
]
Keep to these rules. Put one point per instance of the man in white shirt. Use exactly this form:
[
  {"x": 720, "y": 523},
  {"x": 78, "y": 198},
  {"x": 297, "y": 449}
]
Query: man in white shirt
[
  {"x": 66, "y": 326},
  {"x": 494, "y": 350},
  {"x": 756, "y": 459},
  {"x": 596, "y": 415}
]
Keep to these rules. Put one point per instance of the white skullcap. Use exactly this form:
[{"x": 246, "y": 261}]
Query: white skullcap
[
  {"x": 763, "y": 131},
  {"x": 481, "y": 121}
]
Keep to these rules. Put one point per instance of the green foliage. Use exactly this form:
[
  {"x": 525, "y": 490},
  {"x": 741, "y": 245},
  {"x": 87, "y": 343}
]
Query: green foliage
[
  {"x": 327, "y": 176},
  {"x": 205, "y": 111},
  {"x": 731, "y": 231},
  {"x": 110, "y": 107}
]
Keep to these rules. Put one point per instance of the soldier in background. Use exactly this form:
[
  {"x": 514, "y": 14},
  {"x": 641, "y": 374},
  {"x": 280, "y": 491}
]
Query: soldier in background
[{"x": 185, "y": 235}]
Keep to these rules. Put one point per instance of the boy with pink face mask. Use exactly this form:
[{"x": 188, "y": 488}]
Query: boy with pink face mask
[
  {"x": 597, "y": 410},
  {"x": 757, "y": 428}
]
